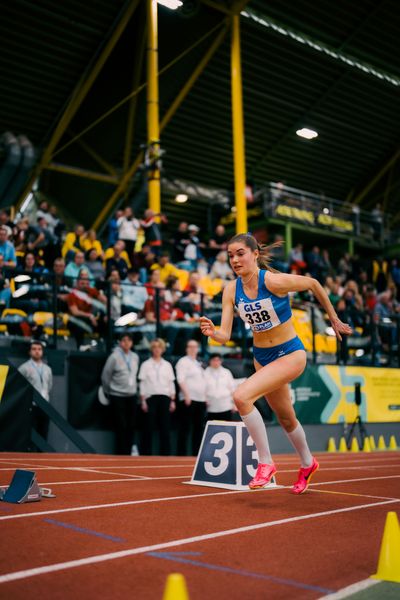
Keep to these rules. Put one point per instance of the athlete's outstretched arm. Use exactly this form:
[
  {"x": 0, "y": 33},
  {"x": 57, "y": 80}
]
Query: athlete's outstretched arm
[
  {"x": 223, "y": 334},
  {"x": 281, "y": 284}
]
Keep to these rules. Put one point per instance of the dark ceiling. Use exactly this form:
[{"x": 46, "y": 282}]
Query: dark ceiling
[{"x": 332, "y": 66}]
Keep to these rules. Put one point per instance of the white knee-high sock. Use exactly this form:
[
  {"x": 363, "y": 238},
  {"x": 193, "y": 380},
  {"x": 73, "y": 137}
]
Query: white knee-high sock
[
  {"x": 256, "y": 428},
  {"x": 298, "y": 440}
]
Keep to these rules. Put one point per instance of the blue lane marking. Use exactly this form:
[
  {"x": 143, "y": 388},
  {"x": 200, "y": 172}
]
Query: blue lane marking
[
  {"x": 178, "y": 558},
  {"x": 105, "y": 536}
]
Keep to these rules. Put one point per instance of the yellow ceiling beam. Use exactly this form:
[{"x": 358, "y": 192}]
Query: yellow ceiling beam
[
  {"x": 164, "y": 122},
  {"x": 85, "y": 173}
]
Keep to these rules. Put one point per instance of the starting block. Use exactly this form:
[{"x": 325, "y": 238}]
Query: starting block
[
  {"x": 227, "y": 457},
  {"x": 24, "y": 488}
]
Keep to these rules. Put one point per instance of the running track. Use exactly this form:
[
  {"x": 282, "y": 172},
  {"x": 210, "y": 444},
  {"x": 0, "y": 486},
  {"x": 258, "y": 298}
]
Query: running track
[{"x": 120, "y": 525}]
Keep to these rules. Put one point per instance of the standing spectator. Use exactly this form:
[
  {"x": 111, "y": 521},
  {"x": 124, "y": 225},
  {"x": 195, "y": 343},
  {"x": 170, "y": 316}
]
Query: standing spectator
[
  {"x": 180, "y": 241},
  {"x": 128, "y": 228},
  {"x": 157, "y": 395},
  {"x": 120, "y": 386},
  {"x": 217, "y": 242},
  {"x": 7, "y": 250},
  {"x": 192, "y": 250},
  {"x": 113, "y": 232},
  {"x": 219, "y": 390},
  {"x": 314, "y": 263},
  {"x": 152, "y": 231},
  {"x": 297, "y": 263},
  {"x": 192, "y": 406},
  {"x": 40, "y": 377}
]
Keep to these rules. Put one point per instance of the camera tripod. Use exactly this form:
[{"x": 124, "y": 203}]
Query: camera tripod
[{"x": 361, "y": 430}]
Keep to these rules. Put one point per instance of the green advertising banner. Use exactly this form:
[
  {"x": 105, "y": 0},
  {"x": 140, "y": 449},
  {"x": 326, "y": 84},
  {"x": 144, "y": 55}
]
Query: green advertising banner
[{"x": 325, "y": 394}]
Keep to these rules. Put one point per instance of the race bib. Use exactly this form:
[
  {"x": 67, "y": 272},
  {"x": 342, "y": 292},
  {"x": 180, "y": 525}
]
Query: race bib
[{"x": 260, "y": 314}]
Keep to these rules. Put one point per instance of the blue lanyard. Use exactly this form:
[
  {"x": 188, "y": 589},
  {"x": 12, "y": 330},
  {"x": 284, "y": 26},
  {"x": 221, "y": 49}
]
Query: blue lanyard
[
  {"x": 126, "y": 360},
  {"x": 38, "y": 371}
]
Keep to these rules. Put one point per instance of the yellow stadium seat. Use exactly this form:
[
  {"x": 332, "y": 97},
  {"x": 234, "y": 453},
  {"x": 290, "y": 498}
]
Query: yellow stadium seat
[
  {"x": 183, "y": 277},
  {"x": 211, "y": 287},
  {"x": 13, "y": 311}
]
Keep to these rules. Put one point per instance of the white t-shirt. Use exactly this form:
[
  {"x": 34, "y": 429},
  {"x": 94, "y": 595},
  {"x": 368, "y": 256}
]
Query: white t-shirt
[
  {"x": 190, "y": 372},
  {"x": 156, "y": 378},
  {"x": 219, "y": 389},
  {"x": 128, "y": 228}
]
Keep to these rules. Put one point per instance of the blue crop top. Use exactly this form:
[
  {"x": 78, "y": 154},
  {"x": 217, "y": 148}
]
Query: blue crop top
[{"x": 264, "y": 312}]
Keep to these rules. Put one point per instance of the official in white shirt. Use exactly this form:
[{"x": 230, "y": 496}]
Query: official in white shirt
[
  {"x": 119, "y": 381},
  {"x": 41, "y": 377},
  {"x": 157, "y": 396},
  {"x": 192, "y": 396},
  {"x": 219, "y": 390}
]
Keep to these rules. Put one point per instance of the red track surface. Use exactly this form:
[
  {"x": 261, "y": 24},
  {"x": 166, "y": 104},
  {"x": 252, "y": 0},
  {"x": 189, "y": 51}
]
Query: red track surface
[{"x": 111, "y": 512}]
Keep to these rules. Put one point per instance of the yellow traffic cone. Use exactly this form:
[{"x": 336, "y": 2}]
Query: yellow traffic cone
[
  {"x": 331, "y": 445},
  {"x": 381, "y": 443},
  {"x": 342, "y": 445},
  {"x": 354, "y": 445},
  {"x": 366, "y": 445},
  {"x": 372, "y": 442},
  {"x": 392, "y": 443},
  {"x": 389, "y": 556},
  {"x": 175, "y": 588}
]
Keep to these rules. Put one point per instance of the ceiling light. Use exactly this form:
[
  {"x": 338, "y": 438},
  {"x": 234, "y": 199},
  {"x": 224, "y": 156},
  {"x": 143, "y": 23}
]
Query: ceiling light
[
  {"x": 306, "y": 133},
  {"x": 181, "y": 198},
  {"x": 325, "y": 211},
  {"x": 172, "y": 4}
]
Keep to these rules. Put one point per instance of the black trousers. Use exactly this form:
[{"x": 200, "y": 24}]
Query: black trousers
[
  {"x": 191, "y": 427},
  {"x": 123, "y": 409},
  {"x": 220, "y": 416},
  {"x": 158, "y": 418}
]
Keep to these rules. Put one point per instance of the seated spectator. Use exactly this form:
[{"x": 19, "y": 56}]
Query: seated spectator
[
  {"x": 370, "y": 297},
  {"x": 165, "y": 267},
  {"x": 5, "y": 292},
  {"x": 172, "y": 292},
  {"x": 128, "y": 228},
  {"x": 20, "y": 237},
  {"x": 115, "y": 295},
  {"x": 86, "y": 314},
  {"x": 31, "y": 267},
  {"x": 118, "y": 260},
  {"x": 7, "y": 250},
  {"x": 90, "y": 242},
  {"x": 73, "y": 243},
  {"x": 191, "y": 301},
  {"x": 95, "y": 265},
  {"x": 73, "y": 269},
  {"x": 134, "y": 294},
  {"x": 314, "y": 263},
  {"x": 154, "y": 282},
  {"x": 6, "y": 222},
  {"x": 221, "y": 268},
  {"x": 192, "y": 251},
  {"x": 42, "y": 242},
  {"x": 334, "y": 293},
  {"x": 142, "y": 263}
]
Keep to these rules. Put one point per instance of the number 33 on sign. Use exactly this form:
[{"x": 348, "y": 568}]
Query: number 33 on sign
[{"x": 227, "y": 457}]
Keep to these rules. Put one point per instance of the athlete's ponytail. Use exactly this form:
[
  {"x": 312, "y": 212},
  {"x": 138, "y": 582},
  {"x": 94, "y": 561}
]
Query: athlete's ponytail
[{"x": 265, "y": 258}]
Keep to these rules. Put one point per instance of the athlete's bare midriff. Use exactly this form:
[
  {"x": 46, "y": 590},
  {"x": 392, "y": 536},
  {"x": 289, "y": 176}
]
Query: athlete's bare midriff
[{"x": 273, "y": 337}]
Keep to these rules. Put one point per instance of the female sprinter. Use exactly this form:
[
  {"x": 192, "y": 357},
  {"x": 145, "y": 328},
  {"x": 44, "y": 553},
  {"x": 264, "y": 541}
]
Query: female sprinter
[{"x": 261, "y": 297}]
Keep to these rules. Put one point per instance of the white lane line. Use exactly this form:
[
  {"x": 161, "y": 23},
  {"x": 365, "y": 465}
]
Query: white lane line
[
  {"x": 86, "y": 470},
  {"x": 114, "y": 504},
  {"x": 351, "y": 589},
  {"x": 167, "y": 499},
  {"x": 16, "y": 575}
]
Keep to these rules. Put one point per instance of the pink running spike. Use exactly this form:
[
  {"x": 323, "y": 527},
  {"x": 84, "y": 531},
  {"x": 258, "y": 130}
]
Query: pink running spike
[
  {"x": 304, "y": 478},
  {"x": 263, "y": 476}
]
